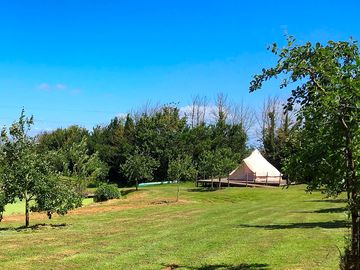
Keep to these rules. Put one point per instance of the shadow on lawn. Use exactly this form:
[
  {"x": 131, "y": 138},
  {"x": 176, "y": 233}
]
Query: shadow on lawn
[
  {"x": 127, "y": 192},
  {"x": 328, "y": 201},
  {"x": 336, "y": 224},
  {"x": 34, "y": 227},
  {"x": 201, "y": 189},
  {"x": 327, "y": 210},
  {"x": 243, "y": 266}
]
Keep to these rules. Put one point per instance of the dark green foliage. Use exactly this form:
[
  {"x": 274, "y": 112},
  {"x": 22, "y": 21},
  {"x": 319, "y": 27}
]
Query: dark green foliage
[
  {"x": 160, "y": 136},
  {"x": 278, "y": 132},
  {"x": 106, "y": 192},
  {"x": 61, "y": 138},
  {"x": 113, "y": 143}
]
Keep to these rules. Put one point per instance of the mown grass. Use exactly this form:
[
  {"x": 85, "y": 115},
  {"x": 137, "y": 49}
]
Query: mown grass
[
  {"x": 232, "y": 228},
  {"x": 19, "y": 207}
]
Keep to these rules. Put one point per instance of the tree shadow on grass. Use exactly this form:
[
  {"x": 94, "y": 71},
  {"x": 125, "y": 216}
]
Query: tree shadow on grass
[
  {"x": 127, "y": 192},
  {"x": 35, "y": 227},
  {"x": 327, "y": 210},
  {"x": 243, "y": 266},
  {"x": 201, "y": 189},
  {"x": 335, "y": 224},
  {"x": 328, "y": 201}
]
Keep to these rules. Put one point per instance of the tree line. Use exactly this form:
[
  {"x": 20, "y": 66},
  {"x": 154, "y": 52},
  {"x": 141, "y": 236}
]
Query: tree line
[{"x": 141, "y": 146}]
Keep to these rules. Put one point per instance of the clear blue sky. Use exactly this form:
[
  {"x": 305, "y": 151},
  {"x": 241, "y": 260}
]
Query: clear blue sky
[{"x": 83, "y": 62}]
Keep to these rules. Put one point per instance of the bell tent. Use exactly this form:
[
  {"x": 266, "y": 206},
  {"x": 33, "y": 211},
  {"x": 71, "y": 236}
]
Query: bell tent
[{"x": 257, "y": 169}]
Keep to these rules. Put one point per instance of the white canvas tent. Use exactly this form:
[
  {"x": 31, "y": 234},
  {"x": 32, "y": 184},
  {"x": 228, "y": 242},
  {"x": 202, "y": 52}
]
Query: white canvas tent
[{"x": 256, "y": 168}]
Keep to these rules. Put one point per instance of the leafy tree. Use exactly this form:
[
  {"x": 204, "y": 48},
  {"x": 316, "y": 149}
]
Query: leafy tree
[
  {"x": 61, "y": 138},
  {"x": 197, "y": 141},
  {"x": 26, "y": 174},
  {"x": 114, "y": 143},
  {"x": 208, "y": 165},
  {"x": 181, "y": 169},
  {"x": 161, "y": 136},
  {"x": 139, "y": 167},
  {"x": 56, "y": 196},
  {"x": 326, "y": 87},
  {"x": 224, "y": 163},
  {"x": 82, "y": 166}
]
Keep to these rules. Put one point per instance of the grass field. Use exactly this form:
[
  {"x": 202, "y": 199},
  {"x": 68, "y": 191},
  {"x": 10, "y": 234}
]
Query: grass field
[
  {"x": 233, "y": 228},
  {"x": 19, "y": 207}
]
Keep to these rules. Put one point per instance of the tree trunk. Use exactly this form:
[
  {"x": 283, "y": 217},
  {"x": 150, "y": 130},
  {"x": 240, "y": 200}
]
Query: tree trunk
[
  {"x": 352, "y": 257},
  {"x": 137, "y": 184},
  {"x": 212, "y": 182},
  {"x": 354, "y": 260},
  {"x": 178, "y": 191},
  {"x": 219, "y": 182},
  {"x": 27, "y": 213}
]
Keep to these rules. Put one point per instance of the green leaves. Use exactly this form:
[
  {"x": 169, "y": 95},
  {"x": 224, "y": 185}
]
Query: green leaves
[
  {"x": 327, "y": 93},
  {"x": 56, "y": 196},
  {"x": 140, "y": 167},
  {"x": 82, "y": 166},
  {"x": 106, "y": 192},
  {"x": 182, "y": 169},
  {"x": 28, "y": 175}
]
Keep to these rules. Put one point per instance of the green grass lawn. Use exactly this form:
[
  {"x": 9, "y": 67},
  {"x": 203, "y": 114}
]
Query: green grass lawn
[
  {"x": 233, "y": 228},
  {"x": 19, "y": 207}
]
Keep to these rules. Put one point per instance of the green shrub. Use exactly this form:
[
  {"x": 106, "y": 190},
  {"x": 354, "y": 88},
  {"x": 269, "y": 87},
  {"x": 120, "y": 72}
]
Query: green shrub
[{"x": 106, "y": 192}]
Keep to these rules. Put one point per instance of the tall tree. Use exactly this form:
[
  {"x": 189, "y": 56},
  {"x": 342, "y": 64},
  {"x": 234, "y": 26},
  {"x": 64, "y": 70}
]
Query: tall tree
[
  {"x": 277, "y": 129},
  {"x": 326, "y": 87},
  {"x": 160, "y": 135},
  {"x": 113, "y": 142}
]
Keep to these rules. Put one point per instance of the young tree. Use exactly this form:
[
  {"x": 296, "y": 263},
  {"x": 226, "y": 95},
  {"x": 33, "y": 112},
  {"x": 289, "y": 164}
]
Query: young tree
[
  {"x": 208, "y": 165},
  {"x": 139, "y": 167},
  {"x": 224, "y": 163},
  {"x": 326, "y": 87},
  {"x": 56, "y": 196},
  {"x": 3, "y": 203},
  {"x": 181, "y": 169},
  {"x": 26, "y": 174}
]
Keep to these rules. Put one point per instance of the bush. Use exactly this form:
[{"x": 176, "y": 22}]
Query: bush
[{"x": 106, "y": 192}]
